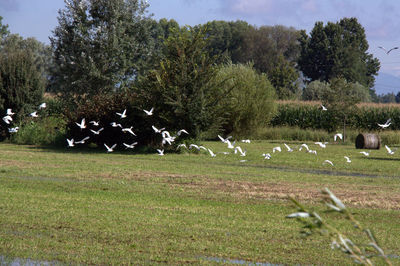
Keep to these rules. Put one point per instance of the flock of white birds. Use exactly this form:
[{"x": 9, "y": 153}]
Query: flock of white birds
[{"x": 168, "y": 139}]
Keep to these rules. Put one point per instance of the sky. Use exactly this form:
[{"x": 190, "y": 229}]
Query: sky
[{"x": 37, "y": 18}]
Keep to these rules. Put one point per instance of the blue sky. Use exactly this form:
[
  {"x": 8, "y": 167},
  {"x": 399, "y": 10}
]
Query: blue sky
[{"x": 37, "y": 18}]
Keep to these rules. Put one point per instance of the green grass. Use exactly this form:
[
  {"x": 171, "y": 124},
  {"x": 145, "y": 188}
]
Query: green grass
[{"x": 89, "y": 207}]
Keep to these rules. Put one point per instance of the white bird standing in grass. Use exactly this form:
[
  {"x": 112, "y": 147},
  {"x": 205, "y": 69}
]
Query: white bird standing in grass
[
  {"x": 34, "y": 114},
  {"x": 82, "y": 125},
  {"x": 389, "y": 150},
  {"x": 123, "y": 114},
  {"x": 388, "y": 122},
  {"x": 160, "y": 152},
  {"x": 312, "y": 151},
  {"x": 276, "y": 149},
  {"x": 97, "y": 132},
  {"x": 327, "y": 162},
  {"x": 42, "y": 106},
  {"x": 70, "y": 142},
  {"x": 338, "y": 135},
  {"x": 288, "y": 148},
  {"x": 110, "y": 149},
  {"x": 347, "y": 159},
  {"x": 245, "y": 140},
  {"x": 150, "y": 112},
  {"x": 365, "y": 153}
]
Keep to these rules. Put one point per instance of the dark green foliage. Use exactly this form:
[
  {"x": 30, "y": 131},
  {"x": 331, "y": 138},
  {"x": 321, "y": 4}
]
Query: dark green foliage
[
  {"x": 250, "y": 101},
  {"x": 338, "y": 50},
  {"x": 181, "y": 87},
  {"x": 100, "y": 46}
]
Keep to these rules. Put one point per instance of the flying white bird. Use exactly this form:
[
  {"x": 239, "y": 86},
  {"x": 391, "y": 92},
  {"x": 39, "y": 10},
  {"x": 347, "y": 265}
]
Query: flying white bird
[
  {"x": 365, "y": 153},
  {"x": 389, "y": 150},
  {"x": 33, "y": 114},
  {"x": 323, "y": 108},
  {"x": 327, "y": 162},
  {"x": 203, "y": 148},
  {"x": 181, "y": 131},
  {"x": 224, "y": 140},
  {"x": 266, "y": 156},
  {"x": 239, "y": 149},
  {"x": 338, "y": 135},
  {"x": 194, "y": 146},
  {"x": 7, "y": 119},
  {"x": 42, "y": 106},
  {"x": 82, "y": 125},
  {"x": 160, "y": 152},
  {"x": 230, "y": 145},
  {"x": 288, "y": 148},
  {"x": 211, "y": 153},
  {"x": 312, "y": 151},
  {"x": 123, "y": 114},
  {"x": 157, "y": 130},
  {"x": 110, "y": 149},
  {"x": 388, "y": 51},
  {"x": 322, "y": 145},
  {"x": 95, "y": 123},
  {"x": 150, "y": 112},
  {"x": 13, "y": 129},
  {"x": 347, "y": 159},
  {"x": 245, "y": 140},
  {"x": 276, "y": 149},
  {"x": 82, "y": 141},
  {"x": 128, "y": 130},
  {"x": 386, "y": 124},
  {"x": 70, "y": 142},
  {"x": 9, "y": 112},
  {"x": 130, "y": 146},
  {"x": 181, "y": 145},
  {"x": 305, "y": 146},
  {"x": 114, "y": 124},
  {"x": 97, "y": 132}
]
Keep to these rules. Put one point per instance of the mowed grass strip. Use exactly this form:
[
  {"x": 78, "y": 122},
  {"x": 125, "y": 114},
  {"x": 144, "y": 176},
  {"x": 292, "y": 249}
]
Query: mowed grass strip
[{"x": 96, "y": 208}]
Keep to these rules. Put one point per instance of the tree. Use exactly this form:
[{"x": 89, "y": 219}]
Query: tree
[
  {"x": 315, "y": 90},
  {"x": 100, "y": 46},
  {"x": 338, "y": 50},
  {"x": 181, "y": 85},
  {"x": 3, "y": 29}
]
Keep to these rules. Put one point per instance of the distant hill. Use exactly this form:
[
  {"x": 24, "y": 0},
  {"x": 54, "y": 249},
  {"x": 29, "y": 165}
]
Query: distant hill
[{"x": 387, "y": 83}]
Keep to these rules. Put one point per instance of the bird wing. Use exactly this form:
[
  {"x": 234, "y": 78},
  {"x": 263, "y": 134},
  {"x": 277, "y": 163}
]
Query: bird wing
[
  {"x": 113, "y": 146},
  {"x": 394, "y": 48},
  {"x": 108, "y": 148}
]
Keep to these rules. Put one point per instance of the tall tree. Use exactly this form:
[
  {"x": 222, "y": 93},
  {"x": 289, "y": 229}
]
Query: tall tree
[
  {"x": 99, "y": 46},
  {"x": 337, "y": 50},
  {"x": 3, "y": 29}
]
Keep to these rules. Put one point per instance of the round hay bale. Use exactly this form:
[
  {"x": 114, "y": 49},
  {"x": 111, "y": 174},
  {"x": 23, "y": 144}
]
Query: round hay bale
[{"x": 368, "y": 141}]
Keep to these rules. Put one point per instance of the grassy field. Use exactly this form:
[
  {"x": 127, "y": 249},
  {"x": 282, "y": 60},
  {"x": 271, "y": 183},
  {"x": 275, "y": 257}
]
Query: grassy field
[{"x": 74, "y": 206}]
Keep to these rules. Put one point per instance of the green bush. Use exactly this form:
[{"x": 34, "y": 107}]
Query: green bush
[{"x": 249, "y": 103}]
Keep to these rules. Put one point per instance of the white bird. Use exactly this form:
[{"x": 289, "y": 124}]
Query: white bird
[
  {"x": 42, "y": 106},
  {"x": 238, "y": 148},
  {"x": 95, "y": 123},
  {"x": 82, "y": 125},
  {"x": 9, "y": 112},
  {"x": 266, "y": 156},
  {"x": 347, "y": 159},
  {"x": 13, "y": 129},
  {"x": 305, "y": 146},
  {"x": 386, "y": 124},
  {"x": 245, "y": 140},
  {"x": 338, "y": 135},
  {"x": 365, "y": 153},
  {"x": 194, "y": 146},
  {"x": 157, "y": 130},
  {"x": 288, "y": 148},
  {"x": 389, "y": 150},
  {"x": 149, "y": 112},
  {"x": 181, "y": 131},
  {"x": 224, "y": 140},
  {"x": 203, "y": 148},
  {"x": 123, "y": 114},
  {"x": 278, "y": 148},
  {"x": 7, "y": 119},
  {"x": 327, "y": 162},
  {"x": 97, "y": 132},
  {"x": 160, "y": 152},
  {"x": 181, "y": 145},
  {"x": 224, "y": 152},
  {"x": 243, "y": 161},
  {"x": 211, "y": 153},
  {"x": 82, "y": 141},
  {"x": 322, "y": 145},
  {"x": 128, "y": 130},
  {"x": 70, "y": 142},
  {"x": 312, "y": 151},
  {"x": 388, "y": 51},
  {"x": 130, "y": 146},
  {"x": 110, "y": 149},
  {"x": 114, "y": 124},
  {"x": 323, "y": 108},
  {"x": 33, "y": 114},
  {"x": 230, "y": 145}
]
